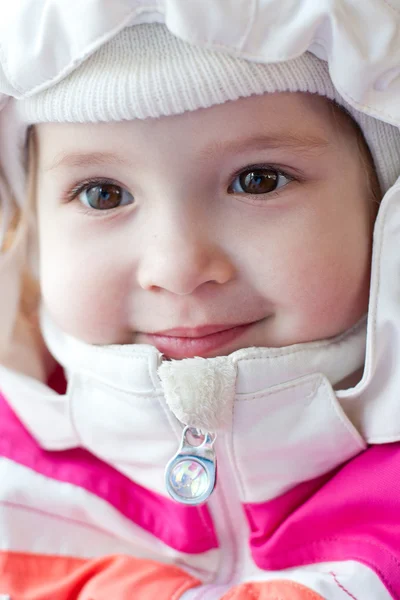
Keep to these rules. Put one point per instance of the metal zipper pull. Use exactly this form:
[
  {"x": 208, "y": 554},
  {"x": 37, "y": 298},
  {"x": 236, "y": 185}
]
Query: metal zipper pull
[{"x": 190, "y": 475}]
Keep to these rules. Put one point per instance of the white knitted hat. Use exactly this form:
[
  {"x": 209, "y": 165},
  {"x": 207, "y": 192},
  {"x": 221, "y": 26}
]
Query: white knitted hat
[{"x": 145, "y": 71}]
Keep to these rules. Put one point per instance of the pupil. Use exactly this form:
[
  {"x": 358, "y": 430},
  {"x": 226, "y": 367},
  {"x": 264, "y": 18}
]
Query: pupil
[{"x": 259, "y": 182}]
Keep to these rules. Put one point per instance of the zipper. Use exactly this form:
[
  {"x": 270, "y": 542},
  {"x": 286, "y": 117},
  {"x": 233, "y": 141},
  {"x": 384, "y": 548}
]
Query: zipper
[
  {"x": 190, "y": 474},
  {"x": 230, "y": 525}
]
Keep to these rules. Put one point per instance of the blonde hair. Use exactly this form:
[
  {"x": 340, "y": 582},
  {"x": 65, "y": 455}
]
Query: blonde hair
[
  {"x": 342, "y": 117},
  {"x": 27, "y": 314}
]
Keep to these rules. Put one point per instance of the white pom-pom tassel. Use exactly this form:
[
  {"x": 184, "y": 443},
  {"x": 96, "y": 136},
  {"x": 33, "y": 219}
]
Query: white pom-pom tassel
[{"x": 200, "y": 391}]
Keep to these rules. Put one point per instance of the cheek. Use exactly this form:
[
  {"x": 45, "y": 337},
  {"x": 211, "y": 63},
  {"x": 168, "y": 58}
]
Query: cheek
[
  {"x": 315, "y": 271},
  {"x": 83, "y": 287},
  {"x": 328, "y": 292}
]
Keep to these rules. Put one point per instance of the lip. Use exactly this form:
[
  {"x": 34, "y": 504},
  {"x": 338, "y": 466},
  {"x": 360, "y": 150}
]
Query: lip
[
  {"x": 197, "y": 332},
  {"x": 185, "y": 342}
]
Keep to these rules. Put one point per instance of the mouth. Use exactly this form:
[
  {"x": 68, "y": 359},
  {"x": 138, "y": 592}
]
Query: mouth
[{"x": 199, "y": 341}]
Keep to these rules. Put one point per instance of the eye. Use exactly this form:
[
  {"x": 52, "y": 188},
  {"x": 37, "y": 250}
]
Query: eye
[
  {"x": 258, "y": 180},
  {"x": 104, "y": 196}
]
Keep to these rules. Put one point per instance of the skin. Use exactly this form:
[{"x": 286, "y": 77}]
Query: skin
[{"x": 189, "y": 251}]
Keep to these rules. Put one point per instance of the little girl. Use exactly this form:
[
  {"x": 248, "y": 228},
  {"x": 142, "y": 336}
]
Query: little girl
[{"x": 207, "y": 406}]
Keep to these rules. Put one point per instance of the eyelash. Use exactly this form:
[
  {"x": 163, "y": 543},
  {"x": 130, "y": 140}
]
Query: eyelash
[{"x": 72, "y": 193}]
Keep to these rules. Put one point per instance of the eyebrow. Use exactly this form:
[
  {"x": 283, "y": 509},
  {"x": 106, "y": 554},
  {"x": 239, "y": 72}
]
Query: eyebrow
[
  {"x": 288, "y": 141},
  {"x": 296, "y": 143},
  {"x": 87, "y": 159}
]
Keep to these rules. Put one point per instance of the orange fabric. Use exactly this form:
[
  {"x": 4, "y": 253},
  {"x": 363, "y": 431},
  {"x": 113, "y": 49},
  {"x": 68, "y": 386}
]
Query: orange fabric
[
  {"x": 272, "y": 590},
  {"x": 40, "y": 577}
]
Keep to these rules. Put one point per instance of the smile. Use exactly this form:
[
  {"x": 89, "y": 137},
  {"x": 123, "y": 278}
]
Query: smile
[{"x": 187, "y": 343}]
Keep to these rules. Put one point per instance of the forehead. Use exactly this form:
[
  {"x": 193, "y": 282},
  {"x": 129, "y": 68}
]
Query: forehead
[{"x": 293, "y": 120}]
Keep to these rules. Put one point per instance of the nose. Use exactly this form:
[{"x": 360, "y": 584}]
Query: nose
[{"x": 182, "y": 261}]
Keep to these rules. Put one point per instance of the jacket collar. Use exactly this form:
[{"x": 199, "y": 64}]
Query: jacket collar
[{"x": 139, "y": 371}]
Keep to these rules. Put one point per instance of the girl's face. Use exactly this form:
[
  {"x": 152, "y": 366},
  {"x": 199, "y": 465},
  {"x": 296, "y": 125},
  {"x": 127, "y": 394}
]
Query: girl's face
[{"x": 253, "y": 212}]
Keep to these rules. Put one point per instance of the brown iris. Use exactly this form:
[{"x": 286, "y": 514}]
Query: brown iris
[
  {"x": 259, "y": 181},
  {"x": 104, "y": 197}
]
